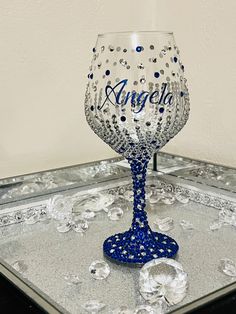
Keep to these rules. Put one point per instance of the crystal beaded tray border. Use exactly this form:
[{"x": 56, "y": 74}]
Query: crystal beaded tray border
[{"x": 208, "y": 196}]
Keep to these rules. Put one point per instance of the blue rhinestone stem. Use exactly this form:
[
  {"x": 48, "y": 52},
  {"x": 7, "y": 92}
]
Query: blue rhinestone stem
[{"x": 139, "y": 244}]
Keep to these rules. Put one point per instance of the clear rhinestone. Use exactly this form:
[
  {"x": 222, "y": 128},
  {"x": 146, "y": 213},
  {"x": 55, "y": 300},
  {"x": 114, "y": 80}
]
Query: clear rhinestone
[
  {"x": 115, "y": 213},
  {"x": 215, "y": 225},
  {"x": 163, "y": 278},
  {"x": 80, "y": 225},
  {"x": 93, "y": 306},
  {"x": 72, "y": 279},
  {"x": 164, "y": 224},
  {"x": 20, "y": 266},
  {"x": 182, "y": 198},
  {"x": 140, "y": 66},
  {"x": 228, "y": 267},
  {"x": 111, "y": 48},
  {"x": 60, "y": 207},
  {"x": 168, "y": 199},
  {"x": 123, "y": 62},
  {"x": 142, "y": 80},
  {"x": 186, "y": 225},
  {"x": 154, "y": 199},
  {"x": 99, "y": 269},
  {"x": 64, "y": 227},
  {"x": 87, "y": 214},
  {"x": 163, "y": 51},
  {"x": 122, "y": 310},
  {"x": 128, "y": 195},
  {"x": 32, "y": 219}
]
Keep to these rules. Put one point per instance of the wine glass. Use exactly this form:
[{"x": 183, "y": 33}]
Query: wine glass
[{"x": 136, "y": 101}]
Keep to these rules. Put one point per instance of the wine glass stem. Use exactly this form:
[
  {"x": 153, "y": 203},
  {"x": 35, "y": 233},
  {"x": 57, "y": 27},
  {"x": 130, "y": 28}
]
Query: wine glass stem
[{"x": 139, "y": 171}]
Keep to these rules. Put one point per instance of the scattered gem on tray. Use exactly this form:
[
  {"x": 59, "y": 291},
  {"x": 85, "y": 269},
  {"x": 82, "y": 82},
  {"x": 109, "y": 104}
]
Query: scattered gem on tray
[{"x": 99, "y": 269}]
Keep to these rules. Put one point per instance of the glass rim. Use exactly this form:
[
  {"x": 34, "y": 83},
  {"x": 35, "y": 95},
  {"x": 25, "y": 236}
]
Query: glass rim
[{"x": 135, "y": 32}]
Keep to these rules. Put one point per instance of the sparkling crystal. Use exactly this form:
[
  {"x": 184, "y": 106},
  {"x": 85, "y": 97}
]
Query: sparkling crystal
[
  {"x": 163, "y": 278},
  {"x": 228, "y": 267},
  {"x": 168, "y": 199},
  {"x": 154, "y": 199},
  {"x": 79, "y": 225},
  {"x": 128, "y": 195},
  {"x": 215, "y": 225},
  {"x": 182, "y": 198},
  {"x": 122, "y": 310},
  {"x": 106, "y": 199},
  {"x": 32, "y": 219},
  {"x": 115, "y": 213},
  {"x": 93, "y": 306},
  {"x": 60, "y": 207},
  {"x": 140, "y": 66},
  {"x": 142, "y": 80},
  {"x": 123, "y": 62},
  {"x": 186, "y": 225},
  {"x": 20, "y": 266},
  {"x": 64, "y": 227},
  {"x": 99, "y": 269},
  {"x": 164, "y": 224},
  {"x": 72, "y": 279},
  {"x": 87, "y": 214}
]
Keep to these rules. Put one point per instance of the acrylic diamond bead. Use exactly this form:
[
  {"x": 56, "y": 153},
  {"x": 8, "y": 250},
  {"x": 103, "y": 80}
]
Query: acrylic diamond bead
[
  {"x": 99, "y": 270},
  {"x": 163, "y": 278}
]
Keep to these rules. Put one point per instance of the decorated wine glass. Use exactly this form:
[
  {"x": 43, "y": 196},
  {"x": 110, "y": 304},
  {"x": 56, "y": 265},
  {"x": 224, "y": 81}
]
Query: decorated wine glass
[{"x": 136, "y": 101}]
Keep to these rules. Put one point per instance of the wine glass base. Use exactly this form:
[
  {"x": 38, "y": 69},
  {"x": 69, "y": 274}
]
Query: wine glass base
[{"x": 139, "y": 247}]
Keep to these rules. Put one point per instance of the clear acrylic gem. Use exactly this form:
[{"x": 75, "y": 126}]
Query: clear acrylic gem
[
  {"x": 168, "y": 199},
  {"x": 186, "y": 225},
  {"x": 60, "y": 207},
  {"x": 80, "y": 225},
  {"x": 122, "y": 310},
  {"x": 99, "y": 269},
  {"x": 128, "y": 195},
  {"x": 115, "y": 213},
  {"x": 87, "y": 214},
  {"x": 64, "y": 226},
  {"x": 215, "y": 225},
  {"x": 32, "y": 219},
  {"x": 164, "y": 224},
  {"x": 163, "y": 278},
  {"x": 93, "y": 306},
  {"x": 153, "y": 199},
  {"x": 228, "y": 267},
  {"x": 182, "y": 198},
  {"x": 72, "y": 279}
]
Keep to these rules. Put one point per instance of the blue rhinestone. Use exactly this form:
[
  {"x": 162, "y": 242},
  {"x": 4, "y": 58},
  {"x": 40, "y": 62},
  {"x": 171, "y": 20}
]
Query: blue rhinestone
[
  {"x": 156, "y": 74},
  {"x": 107, "y": 72},
  {"x": 139, "y": 48}
]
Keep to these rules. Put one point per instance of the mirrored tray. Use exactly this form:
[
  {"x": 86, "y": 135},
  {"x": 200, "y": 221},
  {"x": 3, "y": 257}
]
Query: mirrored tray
[{"x": 45, "y": 256}]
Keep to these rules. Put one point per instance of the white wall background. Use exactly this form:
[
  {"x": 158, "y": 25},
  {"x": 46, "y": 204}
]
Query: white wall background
[{"x": 45, "y": 51}]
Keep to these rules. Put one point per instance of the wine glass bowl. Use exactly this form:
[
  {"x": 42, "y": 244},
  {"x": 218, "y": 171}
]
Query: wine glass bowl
[{"x": 136, "y": 101}]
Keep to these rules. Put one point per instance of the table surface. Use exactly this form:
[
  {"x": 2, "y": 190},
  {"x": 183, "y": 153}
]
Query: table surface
[{"x": 48, "y": 255}]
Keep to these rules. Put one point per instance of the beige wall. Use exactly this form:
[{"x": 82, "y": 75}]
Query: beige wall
[{"x": 45, "y": 51}]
